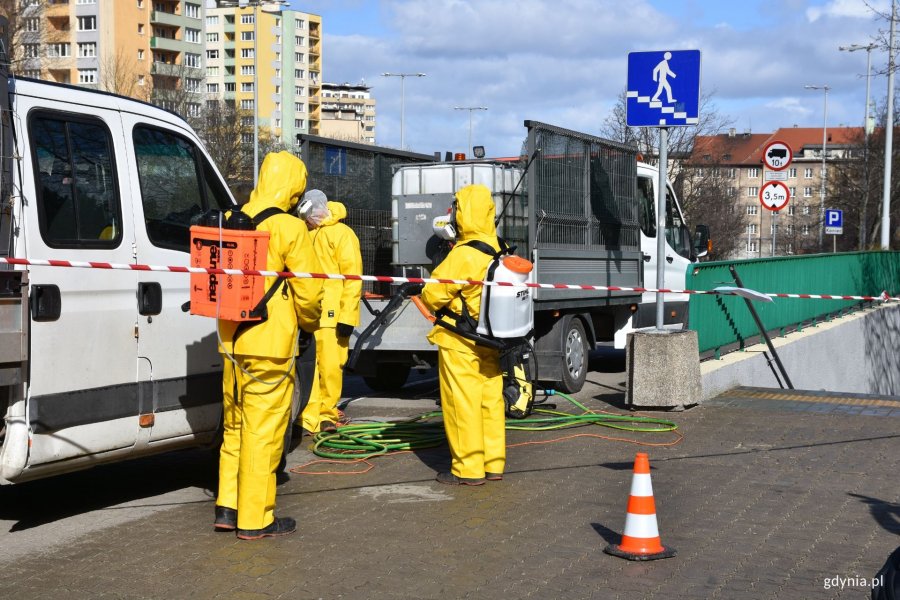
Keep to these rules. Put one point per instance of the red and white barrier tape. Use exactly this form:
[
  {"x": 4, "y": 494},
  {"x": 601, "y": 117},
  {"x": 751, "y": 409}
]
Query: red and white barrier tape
[{"x": 388, "y": 279}]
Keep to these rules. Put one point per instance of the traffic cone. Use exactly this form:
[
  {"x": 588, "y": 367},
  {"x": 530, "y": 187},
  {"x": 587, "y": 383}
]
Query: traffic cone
[{"x": 640, "y": 541}]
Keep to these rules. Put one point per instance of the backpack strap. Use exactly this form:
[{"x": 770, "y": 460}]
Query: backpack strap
[
  {"x": 489, "y": 275},
  {"x": 260, "y": 310}
]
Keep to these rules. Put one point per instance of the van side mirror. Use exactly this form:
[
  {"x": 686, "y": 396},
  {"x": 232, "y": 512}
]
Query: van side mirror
[{"x": 701, "y": 240}]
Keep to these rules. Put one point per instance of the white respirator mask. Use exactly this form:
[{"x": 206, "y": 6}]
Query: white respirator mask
[{"x": 304, "y": 208}]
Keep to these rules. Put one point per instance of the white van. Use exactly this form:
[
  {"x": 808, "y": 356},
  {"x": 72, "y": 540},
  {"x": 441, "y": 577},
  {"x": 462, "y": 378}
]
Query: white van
[{"x": 98, "y": 365}]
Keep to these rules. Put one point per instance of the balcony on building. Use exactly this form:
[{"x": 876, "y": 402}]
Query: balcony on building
[
  {"x": 162, "y": 17},
  {"x": 314, "y": 31},
  {"x": 166, "y": 43}
]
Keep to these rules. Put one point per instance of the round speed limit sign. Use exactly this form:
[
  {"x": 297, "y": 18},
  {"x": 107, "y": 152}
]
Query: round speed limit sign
[{"x": 775, "y": 195}]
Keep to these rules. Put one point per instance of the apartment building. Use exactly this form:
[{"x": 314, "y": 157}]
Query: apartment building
[
  {"x": 267, "y": 63},
  {"x": 147, "y": 50},
  {"x": 348, "y": 112},
  {"x": 737, "y": 160}
]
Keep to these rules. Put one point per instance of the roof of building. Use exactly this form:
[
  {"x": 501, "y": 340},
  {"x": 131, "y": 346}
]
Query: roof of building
[{"x": 747, "y": 148}]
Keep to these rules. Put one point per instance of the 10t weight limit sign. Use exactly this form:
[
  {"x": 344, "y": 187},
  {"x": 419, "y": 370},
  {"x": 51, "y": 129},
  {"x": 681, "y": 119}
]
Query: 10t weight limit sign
[{"x": 774, "y": 196}]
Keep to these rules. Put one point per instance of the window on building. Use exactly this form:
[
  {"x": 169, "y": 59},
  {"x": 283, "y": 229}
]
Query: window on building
[
  {"x": 192, "y": 10},
  {"x": 212, "y": 55},
  {"x": 212, "y": 38},
  {"x": 247, "y": 87},
  {"x": 753, "y": 191},
  {"x": 140, "y": 29},
  {"x": 773, "y": 228},
  {"x": 59, "y": 50},
  {"x": 247, "y": 53},
  {"x": 792, "y": 172},
  {"x": 212, "y": 20},
  {"x": 298, "y": 40},
  {"x": 298, "y": 24},
  {"x": 732, "y": 173},
  {"x": 752, "y": 246},
  {"x": 790, "y": 230},
  {"x": 247, "y": 19},
  {"x": 751, "y": 228},
  {"x": 247, "y": 104},
  {"x": 192, "y": 60},
  {"x": 247, "y": 121},
  {"x": 299, "y": 123},
  {"x": 31, "y": 50},
  {"x": 277, "y": 123},
  {"x": 140, "y": 3},
  {"x": 299, "y": 107},
  {"x": 807, "y": 173},
  {"x": 230, "y": 87},
  {"x": 299, "y": 73},
  {"x": 86, "y": 2},
  {"x": 300, "y": 57},
  {"x": 807, "y": 192},
  {"x": 792, "y": 191},
  {"x": 192, "y": 35},
  {"x": 246, "y": 36},
  {"x": 191, "y": 84},
  {"x": 212, "y": 71},
  {"x": 33, "y": 73},
  {"x": 248, "y": 69},
  {"x": 142, "y": 80},
  {"x": 752, "y": 209},
  {"x": 791, "y": 207},
  {"x": 32, "y": 25},
  {"x": 87, "y": 49},
  {"x": 805, "y": 230},
  {"x": 246, "y": 138},
  {"x": 212, "y": 88},
  {"x": 806, "y": 210},
  {"x": 87, "y": 75},
  {"x": 753, "y": 173}
]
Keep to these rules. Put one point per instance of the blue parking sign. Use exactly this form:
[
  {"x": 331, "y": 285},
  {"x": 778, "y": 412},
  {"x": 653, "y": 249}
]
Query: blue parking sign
[
  {"x": 834, "y": 221},
  {"x": 663, "y": 88}
]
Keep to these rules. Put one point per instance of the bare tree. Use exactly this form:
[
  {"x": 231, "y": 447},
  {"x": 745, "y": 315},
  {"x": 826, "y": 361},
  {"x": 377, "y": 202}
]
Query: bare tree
[
  {"x": 703, "y": 189},
  {"x": 223, "y": 128},
  {"x": 119, "y": 74}
]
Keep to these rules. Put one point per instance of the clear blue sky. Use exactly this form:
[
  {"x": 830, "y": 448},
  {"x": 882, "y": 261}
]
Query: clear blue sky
[{"x": 564, "y": 61}]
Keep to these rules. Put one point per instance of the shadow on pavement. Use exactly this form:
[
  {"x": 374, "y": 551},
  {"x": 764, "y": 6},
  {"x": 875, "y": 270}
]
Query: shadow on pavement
[
  {"x": 886, "y": 514},
  {"x": 36, "y": 503}
]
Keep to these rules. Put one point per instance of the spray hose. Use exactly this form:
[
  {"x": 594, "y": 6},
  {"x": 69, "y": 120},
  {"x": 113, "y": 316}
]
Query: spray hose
[{"x": 367, "y": 440}]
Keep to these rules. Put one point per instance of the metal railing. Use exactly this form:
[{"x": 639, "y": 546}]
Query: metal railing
[{"x": 723, "y": 323}]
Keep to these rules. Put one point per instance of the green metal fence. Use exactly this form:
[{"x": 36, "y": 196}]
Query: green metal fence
[{"x": 724, "y": 322}]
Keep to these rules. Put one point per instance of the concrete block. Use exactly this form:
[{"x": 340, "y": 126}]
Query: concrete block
[{"x": 663, "y": 369}]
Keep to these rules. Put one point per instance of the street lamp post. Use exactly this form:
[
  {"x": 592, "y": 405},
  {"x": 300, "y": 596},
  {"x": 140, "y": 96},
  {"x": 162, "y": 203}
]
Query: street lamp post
[
  {"x": 888, "y": 141},
  {"x": 470, "y": 109},
  {"x": 863, "y": 217},
  {"x": 267, "y": 6},
  {"x": 825, "y": 89},
  {"x": 402, "y": 77}
]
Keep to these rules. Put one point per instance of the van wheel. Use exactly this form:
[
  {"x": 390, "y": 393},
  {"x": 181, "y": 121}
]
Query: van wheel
[
  {"x": 575, "y": 357},
  {"x": 388, "y": 377}
]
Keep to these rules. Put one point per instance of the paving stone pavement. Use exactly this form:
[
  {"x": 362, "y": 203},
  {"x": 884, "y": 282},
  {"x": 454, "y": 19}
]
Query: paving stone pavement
[{"x": 761, "y": 499}]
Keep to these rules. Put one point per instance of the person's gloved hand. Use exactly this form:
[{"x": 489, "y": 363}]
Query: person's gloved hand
[
  {"x": 304, "y": 341},
  {"x": 343, "y": 330},
  {"x": 411, "y": 289}
]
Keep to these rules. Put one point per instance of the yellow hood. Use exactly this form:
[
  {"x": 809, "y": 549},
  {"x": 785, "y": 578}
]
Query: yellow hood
[
  {"x": 282, "y": 179},
  {"x": 338, "y": 213},
  {"x": 475, "y": 214}
]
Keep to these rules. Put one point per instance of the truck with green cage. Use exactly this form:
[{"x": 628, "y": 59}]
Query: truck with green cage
[{"x": 581, "y": 208}]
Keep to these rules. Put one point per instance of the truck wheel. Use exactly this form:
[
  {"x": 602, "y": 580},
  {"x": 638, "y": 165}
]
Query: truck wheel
[
  {"x": 388, "y": 377},
  {"x": 575, "y": 357}
]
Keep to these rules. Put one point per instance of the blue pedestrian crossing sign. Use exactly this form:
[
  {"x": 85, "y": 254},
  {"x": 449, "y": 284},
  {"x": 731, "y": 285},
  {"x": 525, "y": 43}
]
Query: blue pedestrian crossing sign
[
  {"x": 663, "y": 88},
  {"x": 834, "y": 221}
]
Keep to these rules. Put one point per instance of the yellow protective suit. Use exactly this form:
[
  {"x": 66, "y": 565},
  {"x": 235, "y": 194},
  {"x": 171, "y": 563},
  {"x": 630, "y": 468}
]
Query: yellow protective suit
[
  {"x": 337, "y": 248},
  {"x": 470, "y": 378},
  {"x": 258, "y": 394}
]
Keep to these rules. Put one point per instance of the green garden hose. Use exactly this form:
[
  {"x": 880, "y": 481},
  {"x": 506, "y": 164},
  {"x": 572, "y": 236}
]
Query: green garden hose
[{"x": 367, "y": 440}]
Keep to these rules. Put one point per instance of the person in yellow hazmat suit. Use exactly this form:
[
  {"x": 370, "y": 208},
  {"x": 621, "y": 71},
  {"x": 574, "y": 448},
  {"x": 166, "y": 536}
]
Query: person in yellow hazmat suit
[
  {"x": 337, "y": 248},
  {"x": 258, "y": 378},
  {"x": 470, "y": 379}
]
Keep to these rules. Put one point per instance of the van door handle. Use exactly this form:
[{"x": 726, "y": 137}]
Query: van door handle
[
  {"x": 149, "y": 298},
  {"x": 669, "y": 259},
  {"x": 647, "y": 257},
  {"x": 46, "y": 302}
]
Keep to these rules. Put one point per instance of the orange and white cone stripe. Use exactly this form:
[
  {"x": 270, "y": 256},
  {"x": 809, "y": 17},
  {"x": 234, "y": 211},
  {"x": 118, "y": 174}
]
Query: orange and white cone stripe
[{"x": 640, "y": 540}]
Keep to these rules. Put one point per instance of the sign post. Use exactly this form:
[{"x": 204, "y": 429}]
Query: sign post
[
  {"x": 663, "y": 91},
  {"x": 775, "y": 194}
]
